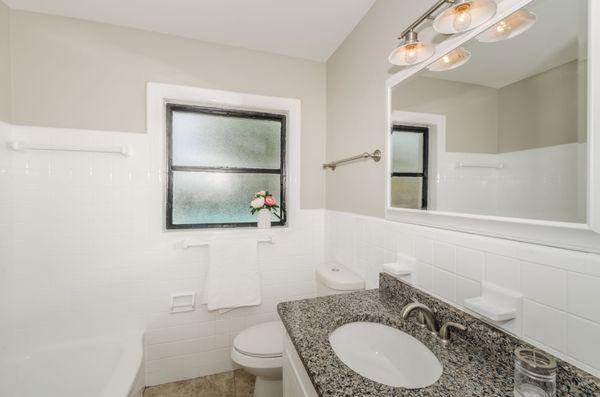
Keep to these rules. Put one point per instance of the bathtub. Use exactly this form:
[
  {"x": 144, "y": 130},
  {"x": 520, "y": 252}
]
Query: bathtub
[{"x": 99, "y": 367}]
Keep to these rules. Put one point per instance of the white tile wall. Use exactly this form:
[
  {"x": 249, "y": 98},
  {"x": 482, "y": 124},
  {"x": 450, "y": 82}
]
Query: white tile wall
[
  {"x": 539, "y": 183},
  {"x": 83, "y": 252},
  {"x": 470, "y": 263},
  {"x": 561, "y": 288}
]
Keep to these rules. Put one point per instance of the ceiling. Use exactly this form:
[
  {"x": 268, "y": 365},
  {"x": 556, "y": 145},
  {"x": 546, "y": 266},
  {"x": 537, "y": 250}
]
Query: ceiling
[
  {"x": 559, "y": 36},
  {"x": 310, "y": 29}
]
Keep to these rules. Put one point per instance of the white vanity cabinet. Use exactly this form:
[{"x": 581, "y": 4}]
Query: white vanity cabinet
[{"x": 296, "y": 382}]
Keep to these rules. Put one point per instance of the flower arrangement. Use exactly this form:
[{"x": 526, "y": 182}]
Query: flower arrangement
[{"x": 263, "y": 200}]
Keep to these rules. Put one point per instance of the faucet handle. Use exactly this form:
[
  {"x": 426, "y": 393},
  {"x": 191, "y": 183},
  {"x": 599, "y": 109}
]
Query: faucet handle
[
  {"x": 420, "y": 316},
  {"x": 444, "y": 334}
]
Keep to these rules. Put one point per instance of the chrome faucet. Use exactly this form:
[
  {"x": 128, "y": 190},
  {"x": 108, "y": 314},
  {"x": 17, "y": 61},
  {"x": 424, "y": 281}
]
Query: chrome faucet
[
  {"x": 444, "y": 334},
  {"x": 427, "y": 315}
]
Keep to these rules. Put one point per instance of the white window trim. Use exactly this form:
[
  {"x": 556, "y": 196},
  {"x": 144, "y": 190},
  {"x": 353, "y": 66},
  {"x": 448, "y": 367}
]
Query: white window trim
[{"x": 158, "y": 95}]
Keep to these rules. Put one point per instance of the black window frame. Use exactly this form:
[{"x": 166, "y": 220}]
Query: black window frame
[
  {"x": 174, "y": 107},
  {"x": 425, "y": 173}
]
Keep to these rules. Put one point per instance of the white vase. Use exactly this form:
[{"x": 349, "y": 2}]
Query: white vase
[{"x": 264, "y": 219}]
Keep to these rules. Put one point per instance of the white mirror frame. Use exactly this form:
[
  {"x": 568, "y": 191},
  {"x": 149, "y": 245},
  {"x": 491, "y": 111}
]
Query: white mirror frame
[{"x": 574, "y": 236}]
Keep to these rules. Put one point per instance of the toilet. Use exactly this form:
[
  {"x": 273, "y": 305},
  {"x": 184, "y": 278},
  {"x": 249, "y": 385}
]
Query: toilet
[
  {"x": 333, "y": 279},
  {"x": 259, "y": 349}
]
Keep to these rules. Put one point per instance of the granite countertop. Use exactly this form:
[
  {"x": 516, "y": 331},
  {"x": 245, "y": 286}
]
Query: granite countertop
[{"x": 478, "y": 362}]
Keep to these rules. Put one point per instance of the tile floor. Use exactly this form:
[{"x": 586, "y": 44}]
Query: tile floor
[{"x": 229, "y": 384}]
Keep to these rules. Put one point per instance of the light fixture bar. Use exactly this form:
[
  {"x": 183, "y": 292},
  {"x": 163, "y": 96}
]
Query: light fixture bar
[{"x": 424, "y": 17}]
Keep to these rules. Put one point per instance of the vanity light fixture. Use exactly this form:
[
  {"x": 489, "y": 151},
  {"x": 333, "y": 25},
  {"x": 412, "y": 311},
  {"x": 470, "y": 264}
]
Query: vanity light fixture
[
  {"x": 509, "y": 27},
  {"x": 464, "y": 15},
  {"x": 460, "y": 16},
  {"x": 451, "y": 60},
  {"x": 411, "y": 51}
]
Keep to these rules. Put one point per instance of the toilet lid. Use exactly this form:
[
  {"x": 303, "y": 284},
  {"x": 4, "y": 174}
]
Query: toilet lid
[{"x": 262, "y": 340}]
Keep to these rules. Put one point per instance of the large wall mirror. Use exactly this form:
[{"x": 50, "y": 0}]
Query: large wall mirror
[{"x": 497, "y": 128}]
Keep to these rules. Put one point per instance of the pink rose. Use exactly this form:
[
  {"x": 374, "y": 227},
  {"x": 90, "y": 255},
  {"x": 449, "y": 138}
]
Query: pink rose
[{"x": 270, "y": 201}]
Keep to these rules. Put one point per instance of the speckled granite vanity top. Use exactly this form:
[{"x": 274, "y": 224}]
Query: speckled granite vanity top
[{"x": 478, "y": 362}]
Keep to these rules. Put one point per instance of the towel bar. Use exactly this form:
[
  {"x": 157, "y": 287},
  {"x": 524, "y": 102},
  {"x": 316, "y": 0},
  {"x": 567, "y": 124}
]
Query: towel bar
[
  {"x": 463, "y": 164},
  {"x": 20, "y": 146},
  {"x": 376, "y": 156},
  {"x": 189, "y": 244}
]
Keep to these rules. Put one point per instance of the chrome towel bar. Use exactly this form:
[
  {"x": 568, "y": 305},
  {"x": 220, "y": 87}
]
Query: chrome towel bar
[
  {"x": 20, "y": 146},
  {"x": 376, "y": 156},
  {"x": 190, "y": 244},
  {"x": 463, "y": 164}
]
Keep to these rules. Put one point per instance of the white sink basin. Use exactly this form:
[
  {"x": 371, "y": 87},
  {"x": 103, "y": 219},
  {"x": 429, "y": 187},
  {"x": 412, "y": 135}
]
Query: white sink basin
[{"x": 385, "y": 355}]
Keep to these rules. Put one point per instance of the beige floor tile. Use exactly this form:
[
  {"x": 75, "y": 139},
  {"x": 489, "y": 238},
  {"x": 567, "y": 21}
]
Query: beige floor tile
[{"x": 229, "y": 384}]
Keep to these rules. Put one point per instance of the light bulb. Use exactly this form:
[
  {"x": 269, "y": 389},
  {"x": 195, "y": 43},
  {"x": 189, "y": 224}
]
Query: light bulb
[
  {"x": 410, "y": 55},
  {"x": 509, "y": 27},
  {"x": 463, "y": 18},
  {"x": 410, "y": 51},
  {"x": 451, "y": 60}
]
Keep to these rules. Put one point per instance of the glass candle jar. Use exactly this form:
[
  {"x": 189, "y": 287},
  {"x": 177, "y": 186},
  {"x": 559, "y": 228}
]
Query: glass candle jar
[{"x": 535, "y": 374}]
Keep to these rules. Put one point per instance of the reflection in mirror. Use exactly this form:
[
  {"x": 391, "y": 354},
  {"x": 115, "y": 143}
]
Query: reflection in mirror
[{"x": 499, "y": 127}]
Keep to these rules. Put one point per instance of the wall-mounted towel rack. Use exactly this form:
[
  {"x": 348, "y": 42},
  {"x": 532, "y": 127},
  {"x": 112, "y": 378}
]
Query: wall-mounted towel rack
[
  {"x": 20, "y": 146},
  {"x": 376, "y": 156},
  {"x": 464, "y": 164},
  {"x": 190, "y": 244}
]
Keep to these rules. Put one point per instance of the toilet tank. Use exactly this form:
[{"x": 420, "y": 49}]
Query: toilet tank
[{"x": 335, "y": 279}]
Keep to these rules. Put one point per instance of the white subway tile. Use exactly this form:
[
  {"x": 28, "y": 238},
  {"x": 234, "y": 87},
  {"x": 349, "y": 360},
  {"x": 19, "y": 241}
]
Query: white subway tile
[
  {"x": 502, "y": 271},
  {"x": 591, "y": 265},
  {"x": 583, "y": 296},
  {"x": 444, "y": 257},
  {"x": 166, "y": 350},
  {"x": 466, "y": 288},
  {"x": 549, "y": 256},
  {"x": 545, "y": 325},
  {"x": 424, "y": 276},
  {"x": 444, "y": 284},
  {"x": 172, "y": 334},
  {"x": 544, "y": 284},
  {"x": 424, "y": 250},
  {"x": 405, "y": 243},
  {"x": 470, "y": 263},
  {"x": 582, "y": 342}
]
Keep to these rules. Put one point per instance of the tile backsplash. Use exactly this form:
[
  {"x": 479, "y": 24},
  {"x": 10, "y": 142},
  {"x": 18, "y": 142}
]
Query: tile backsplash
[{"x": 561, "y": 288}]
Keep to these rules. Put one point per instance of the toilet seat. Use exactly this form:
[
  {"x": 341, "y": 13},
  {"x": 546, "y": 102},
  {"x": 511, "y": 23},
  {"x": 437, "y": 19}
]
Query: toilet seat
[
  {"x": 256, "y": 363},
  {"x": 262, "y": 341}
]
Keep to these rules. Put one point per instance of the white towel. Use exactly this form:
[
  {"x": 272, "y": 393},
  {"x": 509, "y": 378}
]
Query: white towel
[{"x": 233, "y": 278}]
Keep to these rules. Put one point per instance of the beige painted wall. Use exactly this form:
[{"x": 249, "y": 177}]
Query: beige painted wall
[
  {"x": 78, "y": 74},
  {"x": 356, "y": 75},
  {"x": 543, "y": 110},
  {"x": 4, "y": 63},
  {"x": 471, "y": 111}
]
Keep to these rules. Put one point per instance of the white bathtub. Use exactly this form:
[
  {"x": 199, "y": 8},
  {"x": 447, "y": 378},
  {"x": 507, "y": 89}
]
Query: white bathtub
[{"x": 99, "y": 367}]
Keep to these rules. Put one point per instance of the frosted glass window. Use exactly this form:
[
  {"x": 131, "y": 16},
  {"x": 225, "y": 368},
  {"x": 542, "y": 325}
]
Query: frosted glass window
[
  {"x": 407, "y": 192},
  {"x": 407, "y": 148},
  {"x": 208, "y": 140},
  {"x": 215, "y": 198},
  {"x": 410, "y": 148},
  {"x": 218, "y": 159}
]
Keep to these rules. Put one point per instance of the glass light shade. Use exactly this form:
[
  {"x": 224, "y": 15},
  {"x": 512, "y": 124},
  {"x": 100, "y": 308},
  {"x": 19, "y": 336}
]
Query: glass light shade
[
  {"x": 465, "y": 15},
  {"x": 451, "y": 60},
  {"x": 411, "y": 53},
  {"x": 509, "y": 27}
]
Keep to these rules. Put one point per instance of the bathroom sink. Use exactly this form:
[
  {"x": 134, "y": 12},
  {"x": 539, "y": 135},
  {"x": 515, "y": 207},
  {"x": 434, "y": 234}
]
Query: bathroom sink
[{"x": 385, "y": 355}]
